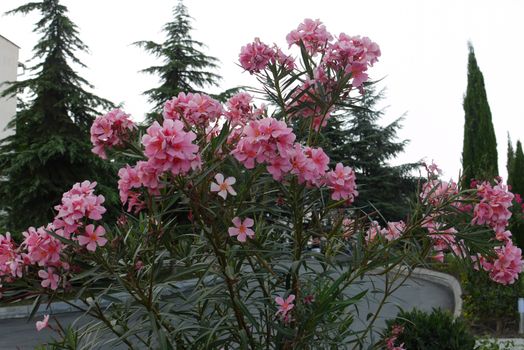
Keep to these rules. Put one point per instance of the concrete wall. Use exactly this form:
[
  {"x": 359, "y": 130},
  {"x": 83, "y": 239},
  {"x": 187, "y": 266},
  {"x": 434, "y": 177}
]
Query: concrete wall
[{"x": 8, "y": 71}]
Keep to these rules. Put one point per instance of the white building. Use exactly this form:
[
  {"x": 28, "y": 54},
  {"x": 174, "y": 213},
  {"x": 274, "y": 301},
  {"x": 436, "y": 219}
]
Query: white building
[{"x": 8, "y": 71}]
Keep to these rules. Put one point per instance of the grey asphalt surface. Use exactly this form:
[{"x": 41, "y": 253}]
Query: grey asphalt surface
[{"x": 422, "y": 294}]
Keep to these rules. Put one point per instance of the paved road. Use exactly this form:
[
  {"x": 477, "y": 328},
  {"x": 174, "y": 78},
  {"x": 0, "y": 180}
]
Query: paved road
[{"x": 18, "y": 334}]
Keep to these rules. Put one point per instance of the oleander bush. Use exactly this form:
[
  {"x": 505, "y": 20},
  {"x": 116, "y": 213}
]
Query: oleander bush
[{"x": 220, "y": 204}]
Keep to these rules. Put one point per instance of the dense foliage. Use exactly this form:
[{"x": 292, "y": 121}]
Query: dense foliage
[
  {"x": 488, "y": 306},
  {"x": 479, "y": 154},
  {"x": 428, "y": 331},
  {"x": 355, "y": 135},
  {"x": 49, "y": 150}
]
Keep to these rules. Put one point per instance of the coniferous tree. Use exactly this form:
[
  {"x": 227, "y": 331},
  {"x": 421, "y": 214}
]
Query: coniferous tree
[
  {"x": 510, "y": 161},
  {"x": 49, "y": 150},
  {"x": 479, "y": 154},
  {"x": 517, "y": 171},
  {"x": 356, "y": 138},
  {"x": 185, "y": 67}
]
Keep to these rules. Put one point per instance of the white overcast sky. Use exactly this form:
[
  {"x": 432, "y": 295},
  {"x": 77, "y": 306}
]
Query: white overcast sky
[{"x": 423, "y": 43}]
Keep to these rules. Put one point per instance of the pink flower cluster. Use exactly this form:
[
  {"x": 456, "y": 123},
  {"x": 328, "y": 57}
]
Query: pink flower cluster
[
  {"x": 352, "y": 54},
  {"x": 255, "y": 56},
  {"x": 170, "y": 148},
  {"x": 143, "y": 174},
  {"x": 42, "y": 248},
  {"x": 78, "y": 204},
  {"x": 240, "y": 110},
  {"x": 110, "y": 130},
  {"x": 391, "y": 232},
  {"x": 198, "y": 110},
  {"x": 11, "y": 262},
  {"x": 269, "y": 141},
  {"x": 494, "y": 207},
  {"x": 342, "y": 181},
  {"x": 507, "y": 266},
  {"x": 437, "y": 192},
  {"x": 312, "y": 33}
]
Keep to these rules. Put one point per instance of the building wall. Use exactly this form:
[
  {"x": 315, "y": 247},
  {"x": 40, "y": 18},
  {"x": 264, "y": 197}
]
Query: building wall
[{"x": 8, "y": 70}]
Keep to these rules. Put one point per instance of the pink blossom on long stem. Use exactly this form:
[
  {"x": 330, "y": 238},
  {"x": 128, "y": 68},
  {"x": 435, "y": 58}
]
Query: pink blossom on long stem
[
  {"x": 242, "y": 229},
  {"x": 223, "y": 186},
  {"x": 49, "y": 278},
  {"x": 285, "y": 305},
  {"x": 42, "y": 324},
  {"x": 93, "y": 237}
]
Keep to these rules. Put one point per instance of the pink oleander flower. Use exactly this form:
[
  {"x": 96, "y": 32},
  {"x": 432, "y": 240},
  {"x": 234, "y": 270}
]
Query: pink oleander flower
[
  {"x": 49, "y": 278},
  {"x": 170, "y": 148},
  {"x": 506, "y": 268},
  {"x": 255, "y": 56},
  {"x": 284, "y": 306},
  {"x": 195, "y": 109},
  {"x": 110, "y": 130},
  {"x": 373, "y": 232},
  {"x": 312, "y": 33},
  {"x": 342, "y": 181},
  {"x": 42, "y": 248},
  {"x": 436, "y": 192},
  {"x": 242, "y": 229},
  {"x": 394, "y": 230},
  {"x": 78, "y": 203},
  {"x": 352, "y": 54},
  {"x": 503, "y": 235},
  {"x": 11, "y": 262},
  {"x": 262, "y": 141},
  {"x": 129, "y": 179},
  {"x": 240, "y": 110},
  {"x": 93, "y": 237},
  {"x": 42, "y": 324},
  {"x": 223, "y": 187},
  {"x": 494, "y": 207}
]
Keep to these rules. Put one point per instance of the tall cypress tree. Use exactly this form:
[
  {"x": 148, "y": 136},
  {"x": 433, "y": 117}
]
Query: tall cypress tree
[
  {"x": 517, "y": 171},
  {"x": 49, "y": 150},
  {"x": 355, "y": 137},
  {"x": 509, "y": 162},
  {"x": 479, "y": 154},
  {"x": 185, "y": 67}
]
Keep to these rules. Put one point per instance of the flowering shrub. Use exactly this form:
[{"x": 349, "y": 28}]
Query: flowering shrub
[{"x": 211, "y": 249}]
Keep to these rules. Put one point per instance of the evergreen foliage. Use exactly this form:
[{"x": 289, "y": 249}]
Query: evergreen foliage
[
  {"x": 49, "y": 150},
  {"x": 185, "y": 67},
  {"x": 511, "y": 157},
  {"x": 517, "y": 171},
  {"x": 479, "y": 154},
  {"x": 437, "y": 330},
  {"x": 355, "y": 137}
]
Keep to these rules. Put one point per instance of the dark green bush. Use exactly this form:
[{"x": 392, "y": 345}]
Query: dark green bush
[
  {"x": 489, "y": 307},
  {"x": 431, "y": 331}
]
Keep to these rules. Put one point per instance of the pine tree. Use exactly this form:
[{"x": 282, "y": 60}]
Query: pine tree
[
  {"x": 355, "y": 138},
  {"x": 185, "y": 67},
  {"x": 479, "y": 155},
  {"x": 49, "y": 150}
]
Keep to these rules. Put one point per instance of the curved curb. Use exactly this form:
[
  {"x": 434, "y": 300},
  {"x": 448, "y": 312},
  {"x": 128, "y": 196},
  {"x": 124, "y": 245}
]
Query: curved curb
[{"x": 445, "y": 280}]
